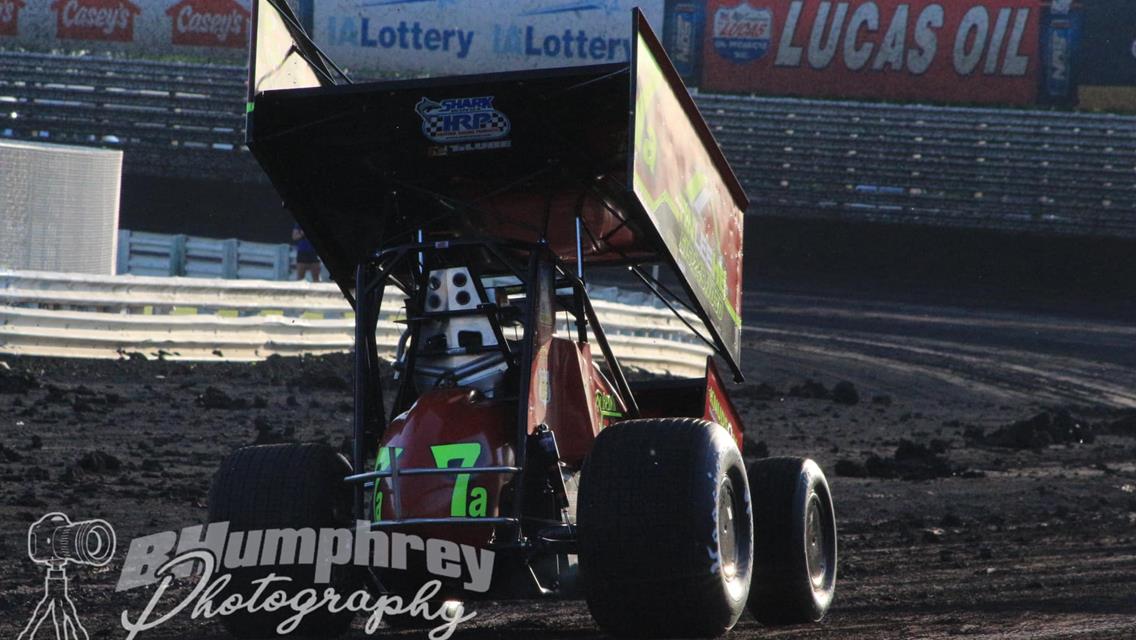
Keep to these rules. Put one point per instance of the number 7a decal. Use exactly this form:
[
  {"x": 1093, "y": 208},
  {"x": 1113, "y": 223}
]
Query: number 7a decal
[
  {"x": 465, "y": 502},
  {"x": 382, "y": 463}
]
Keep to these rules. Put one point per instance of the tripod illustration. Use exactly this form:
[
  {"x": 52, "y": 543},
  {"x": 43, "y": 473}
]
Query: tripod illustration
[
  {"x": 56, "y": 607},
  {"x": 54, "y": 540}
]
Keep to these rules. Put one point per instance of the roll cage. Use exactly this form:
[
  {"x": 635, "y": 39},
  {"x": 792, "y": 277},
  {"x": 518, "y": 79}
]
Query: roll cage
[{"x": 407, "y": 267}]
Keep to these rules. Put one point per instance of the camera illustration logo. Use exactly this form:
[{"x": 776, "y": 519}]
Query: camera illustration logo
[{"x": 54, "y": 541}]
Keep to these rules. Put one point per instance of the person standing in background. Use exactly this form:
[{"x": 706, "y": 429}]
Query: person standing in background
[{"x": 306, "y": 259}]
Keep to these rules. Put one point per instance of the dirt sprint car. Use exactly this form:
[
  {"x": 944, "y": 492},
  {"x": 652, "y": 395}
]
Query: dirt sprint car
[{"x": 487, "y": 201}]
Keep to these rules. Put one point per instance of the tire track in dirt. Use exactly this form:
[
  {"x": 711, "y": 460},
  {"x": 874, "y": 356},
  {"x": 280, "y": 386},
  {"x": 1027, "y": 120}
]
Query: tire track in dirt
[{"x": 1000, "y": 354}]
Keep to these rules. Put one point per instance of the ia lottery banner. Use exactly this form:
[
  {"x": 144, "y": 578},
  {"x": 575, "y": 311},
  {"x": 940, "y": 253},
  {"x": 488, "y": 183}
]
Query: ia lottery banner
[{"x": 415, "y": 38}]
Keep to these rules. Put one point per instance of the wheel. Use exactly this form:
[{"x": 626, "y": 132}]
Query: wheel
[
  {"x": 281, "y": 486},
  {"x": 665, "y": 535},
  {"x": 794, "y": 576}
]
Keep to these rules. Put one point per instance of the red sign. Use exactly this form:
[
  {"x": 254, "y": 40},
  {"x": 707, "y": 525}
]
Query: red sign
[
  {"x": 95, "y": 19},
  {"x": 979, "y": 51},
  {"x": 10, "y": 16},
  {"x": 209, "y": 23}
]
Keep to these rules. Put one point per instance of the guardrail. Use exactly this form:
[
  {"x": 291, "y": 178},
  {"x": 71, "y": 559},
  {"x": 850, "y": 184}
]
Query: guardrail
[
  {"x": 84, "y": 316},
  {"x": 158, "y": 254}
]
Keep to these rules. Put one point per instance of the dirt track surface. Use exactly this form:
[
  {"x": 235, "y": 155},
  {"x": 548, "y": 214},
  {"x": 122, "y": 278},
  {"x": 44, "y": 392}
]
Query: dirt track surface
[{"x": 985, "y": 478}]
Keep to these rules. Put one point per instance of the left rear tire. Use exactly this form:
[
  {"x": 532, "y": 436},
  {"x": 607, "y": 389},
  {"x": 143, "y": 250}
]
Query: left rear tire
[
  {"x": 284, "y": 486},
  {"x": 665, "y": 532}
]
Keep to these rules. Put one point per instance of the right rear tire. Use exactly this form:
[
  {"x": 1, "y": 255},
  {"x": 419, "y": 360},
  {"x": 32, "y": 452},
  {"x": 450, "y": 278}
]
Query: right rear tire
[
  {"x": 665, "y": 532},
  {"x": 794, "y": 576}
]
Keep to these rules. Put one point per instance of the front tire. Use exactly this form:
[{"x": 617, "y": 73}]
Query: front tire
[
  {"x": 665, "y": 532},
  {"x": 794, "y": 577},
  {"x": 285, "y": 486}
]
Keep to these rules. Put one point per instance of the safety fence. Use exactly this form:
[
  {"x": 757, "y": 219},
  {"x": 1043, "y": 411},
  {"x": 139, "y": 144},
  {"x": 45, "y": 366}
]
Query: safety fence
[
  {"x": 1003, "y": 169},
  {"x": 85, "y": 316}
]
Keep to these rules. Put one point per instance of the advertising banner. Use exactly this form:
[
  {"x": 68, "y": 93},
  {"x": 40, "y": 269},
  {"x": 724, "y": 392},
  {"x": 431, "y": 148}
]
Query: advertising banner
[
  {"x": 690, "y": 195},
  {"x": 1108, "y": 52},
  {"x": 985, "y": 51},
  {"x": 415, "y": 38},
  {"x": 1060, "y": 41},
  {"x": 214, "y": 30},
  {"x": 683, "y": 28}
]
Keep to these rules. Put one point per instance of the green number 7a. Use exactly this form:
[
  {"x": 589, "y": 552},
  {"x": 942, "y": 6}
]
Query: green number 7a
[{"x": 465, "y": 502}]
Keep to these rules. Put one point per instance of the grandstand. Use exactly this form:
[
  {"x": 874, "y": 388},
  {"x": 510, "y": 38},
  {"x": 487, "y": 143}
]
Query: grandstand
[{"x": 1043, "y": 172}]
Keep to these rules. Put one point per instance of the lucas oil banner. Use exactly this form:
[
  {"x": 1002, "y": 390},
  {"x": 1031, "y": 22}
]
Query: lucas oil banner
[
  {"x": 980, "y": 51},
  {"x": 413, "y": 38}
]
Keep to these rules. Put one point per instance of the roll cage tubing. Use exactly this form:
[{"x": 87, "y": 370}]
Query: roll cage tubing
[{"x": 413, "y": 263}]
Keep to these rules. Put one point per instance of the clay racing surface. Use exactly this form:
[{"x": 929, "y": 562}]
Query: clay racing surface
[{"x": 982, "y": 455}]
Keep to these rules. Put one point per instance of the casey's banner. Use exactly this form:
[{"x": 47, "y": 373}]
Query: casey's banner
[
  {"x": 216, "y": 30},
  {"x": 974, "y": 51}
]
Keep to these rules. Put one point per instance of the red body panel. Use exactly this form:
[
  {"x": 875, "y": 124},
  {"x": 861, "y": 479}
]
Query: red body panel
[
  {"x": 719, "y": 408},
  {"x": 448, "y": 417},
  {"x": 513, "y": 219},
  {"x": 574, "y": 410},
  {"x": 576, "y": 402}
]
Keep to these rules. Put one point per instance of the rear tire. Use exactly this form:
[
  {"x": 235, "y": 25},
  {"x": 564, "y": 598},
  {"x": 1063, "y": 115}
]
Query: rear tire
[
  {"x": 794, "y": 576},
  {"x": 285, "y": 486},
  {"x": 666, "y": 540}
]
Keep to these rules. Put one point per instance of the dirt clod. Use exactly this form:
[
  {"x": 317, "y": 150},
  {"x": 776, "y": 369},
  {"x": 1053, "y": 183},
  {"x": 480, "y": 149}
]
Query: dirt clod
[
  {"x": 214, "y": 398},
  {"x": 933, "y": 535},
  {"x": 810, "y": 389},
  {"x": 99, "y": 462},
  {"x": 1124, "y": 426},
  {"x": 10, "y": 455},
  {"x": 16, "y": 382},
  {"x": 850, "y": 469},
  {"x": 1040, "y": 431},
  {"x": 845, "y": 393},
  {"x": 911, "y": 461}
]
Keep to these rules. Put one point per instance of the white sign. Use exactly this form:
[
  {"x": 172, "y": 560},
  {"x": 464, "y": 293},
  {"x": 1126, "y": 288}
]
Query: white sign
[{"x": 411, "y": 38}]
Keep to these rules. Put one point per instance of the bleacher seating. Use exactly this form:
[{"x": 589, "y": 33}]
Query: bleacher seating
[
  {"x": 171, "y": 119},
  {"x": 1012, "y": 169},
  {"x": 1008, "y": 169}
]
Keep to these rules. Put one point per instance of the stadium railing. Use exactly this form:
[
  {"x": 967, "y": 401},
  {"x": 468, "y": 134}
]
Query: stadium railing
[{"x": 1052, "y": 172}]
